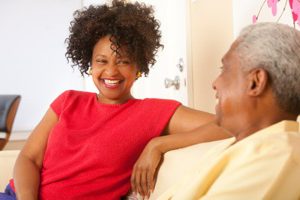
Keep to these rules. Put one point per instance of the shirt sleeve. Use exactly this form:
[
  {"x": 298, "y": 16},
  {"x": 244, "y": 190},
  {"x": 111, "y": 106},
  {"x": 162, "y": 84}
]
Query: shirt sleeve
[
  {"x": 268, "y": 173},
  {"x": 160, "y": 112},
  {"x": 58, "y": 104}
]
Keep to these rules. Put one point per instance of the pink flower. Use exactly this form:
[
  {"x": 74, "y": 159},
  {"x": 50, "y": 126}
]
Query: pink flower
[
  {"x": 273, "y": 4},
  {"x": 254, "y": 19},
  {"x": 295, "y": 7}
]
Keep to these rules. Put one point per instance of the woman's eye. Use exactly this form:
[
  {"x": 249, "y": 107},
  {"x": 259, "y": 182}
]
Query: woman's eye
[
  {"x": 101, "y": 61},
  {"x": 123, "y": 62},
  {"x": 126, "y": 62}
]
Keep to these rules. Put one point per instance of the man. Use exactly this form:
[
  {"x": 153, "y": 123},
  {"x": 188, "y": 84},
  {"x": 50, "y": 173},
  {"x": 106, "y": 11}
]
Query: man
[{"x": 258, "y": 93}]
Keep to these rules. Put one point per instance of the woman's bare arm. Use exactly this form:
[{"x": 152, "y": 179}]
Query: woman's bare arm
[
  {"x": 29, "y": 161},
  {"x": 186, "y": 119}
]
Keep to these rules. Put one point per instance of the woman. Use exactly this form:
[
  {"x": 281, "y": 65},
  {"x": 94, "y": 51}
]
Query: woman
[{"x": 86, "y": 145}]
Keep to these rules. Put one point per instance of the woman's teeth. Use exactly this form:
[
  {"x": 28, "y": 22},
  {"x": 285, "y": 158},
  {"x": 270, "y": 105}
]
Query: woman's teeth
[{"x": 111, "y": 82}]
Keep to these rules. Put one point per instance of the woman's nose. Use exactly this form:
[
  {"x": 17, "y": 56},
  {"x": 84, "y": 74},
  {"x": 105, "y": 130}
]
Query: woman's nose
[{"x": 111, "y": 69}]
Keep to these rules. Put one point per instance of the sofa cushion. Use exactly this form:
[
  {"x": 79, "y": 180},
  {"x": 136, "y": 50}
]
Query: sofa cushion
[{"x": 7, "y": 161}]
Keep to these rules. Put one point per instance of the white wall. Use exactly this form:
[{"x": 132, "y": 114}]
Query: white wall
[
  {"x": 32, "y": 50},
  {"x": 243, "y": 10}
]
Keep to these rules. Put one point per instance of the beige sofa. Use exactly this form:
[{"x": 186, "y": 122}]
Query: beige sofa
[
  {"x": 176, "y": 163},
  {"x": 7, "y": 161}
]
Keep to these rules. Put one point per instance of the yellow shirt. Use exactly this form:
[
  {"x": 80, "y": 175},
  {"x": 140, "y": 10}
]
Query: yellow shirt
[{"x": 265, "y": 165}]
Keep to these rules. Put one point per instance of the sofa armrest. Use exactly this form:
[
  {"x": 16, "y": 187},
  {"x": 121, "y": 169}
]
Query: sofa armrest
[
  {"x": 177, "y": 164},
  {"x": 7, "y": 161}
]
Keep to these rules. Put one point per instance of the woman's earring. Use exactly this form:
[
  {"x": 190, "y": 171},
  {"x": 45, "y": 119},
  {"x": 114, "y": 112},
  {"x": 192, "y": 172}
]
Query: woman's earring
[
  {"x": 90, "y": 71},
  {"x": 138, "y": 74}
]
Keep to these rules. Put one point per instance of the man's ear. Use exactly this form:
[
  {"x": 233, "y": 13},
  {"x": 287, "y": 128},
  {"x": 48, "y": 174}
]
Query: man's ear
[{"x": 257, "y": 81}]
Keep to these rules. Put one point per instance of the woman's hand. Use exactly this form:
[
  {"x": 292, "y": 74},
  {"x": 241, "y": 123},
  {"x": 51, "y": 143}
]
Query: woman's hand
[{"x": 144, "y": 171}]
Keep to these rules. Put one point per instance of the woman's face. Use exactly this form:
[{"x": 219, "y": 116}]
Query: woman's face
[{"x": 112, "y": 74}]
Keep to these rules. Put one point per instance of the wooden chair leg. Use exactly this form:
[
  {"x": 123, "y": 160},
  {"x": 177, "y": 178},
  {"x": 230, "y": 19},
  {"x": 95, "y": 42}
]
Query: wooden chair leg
[{"x": 2, "y": 143}]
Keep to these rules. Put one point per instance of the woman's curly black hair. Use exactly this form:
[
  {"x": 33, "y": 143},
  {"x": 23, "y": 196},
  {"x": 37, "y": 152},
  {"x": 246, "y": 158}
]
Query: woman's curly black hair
[{"x": 130, "y": 25}]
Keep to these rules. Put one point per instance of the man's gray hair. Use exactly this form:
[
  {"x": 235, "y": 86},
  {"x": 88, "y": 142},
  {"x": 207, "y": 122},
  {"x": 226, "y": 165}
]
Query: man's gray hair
[{"x": 275, "y": 48}]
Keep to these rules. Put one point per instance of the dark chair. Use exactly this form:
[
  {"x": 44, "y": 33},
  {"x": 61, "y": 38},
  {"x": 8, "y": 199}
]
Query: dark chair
[{"x": 8, "y": 109}]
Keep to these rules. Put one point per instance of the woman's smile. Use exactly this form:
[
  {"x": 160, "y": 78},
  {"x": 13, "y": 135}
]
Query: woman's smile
[{"x": 112, "y": 83}]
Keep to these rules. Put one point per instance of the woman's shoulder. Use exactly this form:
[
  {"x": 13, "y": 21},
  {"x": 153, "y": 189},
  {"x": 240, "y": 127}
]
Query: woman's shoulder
[
  {"x": 71, "y": 96},
  {"x": 160, "y": 101},
  {"x": 77, "y": 94},
  {"x": 71, "y": 99}
]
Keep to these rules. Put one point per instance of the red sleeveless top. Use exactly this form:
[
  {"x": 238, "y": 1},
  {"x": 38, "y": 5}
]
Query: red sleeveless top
[{"x": 92, "y": 149}]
